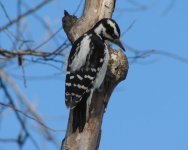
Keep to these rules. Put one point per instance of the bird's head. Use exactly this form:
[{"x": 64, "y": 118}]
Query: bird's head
[{"x": 108, "y": 30}]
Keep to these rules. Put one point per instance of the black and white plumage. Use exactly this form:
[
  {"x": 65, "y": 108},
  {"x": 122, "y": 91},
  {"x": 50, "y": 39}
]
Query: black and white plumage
[{"x": 87, "y": 66}]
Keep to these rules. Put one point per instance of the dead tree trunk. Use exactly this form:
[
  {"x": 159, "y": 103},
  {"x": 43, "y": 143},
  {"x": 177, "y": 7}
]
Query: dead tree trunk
[{"x": 89, "y": 139}]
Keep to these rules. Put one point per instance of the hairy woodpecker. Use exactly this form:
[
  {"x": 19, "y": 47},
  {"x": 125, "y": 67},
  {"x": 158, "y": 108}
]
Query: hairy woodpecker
[{"x": 87, "y": 66}]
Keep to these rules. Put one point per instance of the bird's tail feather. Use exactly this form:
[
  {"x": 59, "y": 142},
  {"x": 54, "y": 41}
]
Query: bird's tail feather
[{"x": 80, "y": 114}]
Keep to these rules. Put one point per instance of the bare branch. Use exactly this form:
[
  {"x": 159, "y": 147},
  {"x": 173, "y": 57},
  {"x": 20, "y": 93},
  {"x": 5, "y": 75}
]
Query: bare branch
[
  {"x": 30, "y": 117},
  {"x": 148, "y": 52},
  {"x": 47, "y": 40},
  {"x": 25, "y": 102},
  {"x": 30, "y": 11},
  {"x": 12, "y": 54},
  {"x": 20, "y": 140},
  {"x": 11, "y": 101}
]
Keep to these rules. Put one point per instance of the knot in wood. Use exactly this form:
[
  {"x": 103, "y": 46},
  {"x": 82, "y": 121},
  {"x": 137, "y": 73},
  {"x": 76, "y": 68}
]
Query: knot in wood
[{"x": 118, "y": 64}]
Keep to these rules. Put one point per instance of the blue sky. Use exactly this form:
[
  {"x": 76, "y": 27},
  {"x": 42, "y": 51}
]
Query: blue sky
[{"x": 147, "y": 111}]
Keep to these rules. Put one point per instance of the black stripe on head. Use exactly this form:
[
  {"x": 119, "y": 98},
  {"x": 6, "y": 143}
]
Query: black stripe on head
[
  {"x": 117, "y": 27},
  {"x": 112, "y": 28}
]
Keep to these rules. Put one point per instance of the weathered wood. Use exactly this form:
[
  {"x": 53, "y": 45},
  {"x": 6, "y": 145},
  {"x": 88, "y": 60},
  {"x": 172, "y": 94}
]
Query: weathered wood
[
  {"x": 117, "y": 70},
  {"x": 94, "y": 11}
]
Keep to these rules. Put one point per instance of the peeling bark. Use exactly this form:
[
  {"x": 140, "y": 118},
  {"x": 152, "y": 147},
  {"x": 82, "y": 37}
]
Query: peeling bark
[{"x": 89, "y": 139}]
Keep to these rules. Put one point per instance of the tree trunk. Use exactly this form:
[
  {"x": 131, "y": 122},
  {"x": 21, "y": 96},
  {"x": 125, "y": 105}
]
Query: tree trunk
[{"x": 89, "y": 139}]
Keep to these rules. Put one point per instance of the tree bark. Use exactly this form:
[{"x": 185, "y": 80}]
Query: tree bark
[{"x": 89, "y": 139}]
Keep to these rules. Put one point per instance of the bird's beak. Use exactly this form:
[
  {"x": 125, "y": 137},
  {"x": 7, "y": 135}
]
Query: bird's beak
[{"x": 118, "y": 42}]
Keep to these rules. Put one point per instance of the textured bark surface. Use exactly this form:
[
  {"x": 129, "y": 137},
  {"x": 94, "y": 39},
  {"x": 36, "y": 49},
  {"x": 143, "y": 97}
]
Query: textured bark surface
[
  {"x": 89, "y": 139},
  {"x": 94, "y": 11}
]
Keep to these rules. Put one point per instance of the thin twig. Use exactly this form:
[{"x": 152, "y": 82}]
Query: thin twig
[
  {"x": 48, "y": 39},
  {"x": 5, "y": 12},
  {"x": 26, "y": 103},
  {"x": 13, "y": 105},
  {"x": 30, "y": 117},
  {"x": 30, "y": 11},
  {"x": 144, "y": 53},
  {"x": 170, "y": 6}
]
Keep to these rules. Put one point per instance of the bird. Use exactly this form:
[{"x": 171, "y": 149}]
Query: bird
[{"x": 86, "y": 68}]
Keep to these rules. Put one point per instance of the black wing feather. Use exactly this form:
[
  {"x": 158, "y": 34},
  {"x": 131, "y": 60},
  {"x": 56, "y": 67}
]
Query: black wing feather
[{"x": 80, "y": 82}]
